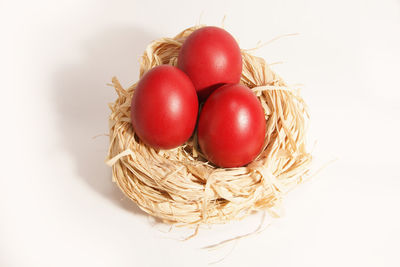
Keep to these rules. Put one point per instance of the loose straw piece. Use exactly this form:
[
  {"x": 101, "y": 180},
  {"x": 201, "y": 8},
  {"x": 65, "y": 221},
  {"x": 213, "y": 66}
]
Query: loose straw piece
[
  {"x": 180, "y": 186},
  {"x": 259, "y": 45}
]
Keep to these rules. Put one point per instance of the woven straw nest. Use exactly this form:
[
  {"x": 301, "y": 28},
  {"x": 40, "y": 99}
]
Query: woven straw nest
[{"x": 179, "y": 186}]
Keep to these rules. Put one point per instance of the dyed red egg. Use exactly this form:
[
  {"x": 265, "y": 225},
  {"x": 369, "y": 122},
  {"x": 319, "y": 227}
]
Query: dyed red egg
[
  {"x": 164, "y": 107},
  {"x": 211, "y": 57},
  {"x": 231, "y": 128}
]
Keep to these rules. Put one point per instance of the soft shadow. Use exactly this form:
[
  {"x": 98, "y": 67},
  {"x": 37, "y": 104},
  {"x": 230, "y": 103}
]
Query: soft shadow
[{"x": 81, "y": 97}]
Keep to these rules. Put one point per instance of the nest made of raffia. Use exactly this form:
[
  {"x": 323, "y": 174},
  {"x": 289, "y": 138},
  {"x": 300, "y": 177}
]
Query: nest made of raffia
[{"x": 180, "y": 186}]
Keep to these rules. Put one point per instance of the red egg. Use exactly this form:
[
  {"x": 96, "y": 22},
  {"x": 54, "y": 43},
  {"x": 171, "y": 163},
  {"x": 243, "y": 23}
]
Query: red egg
[
  {"x": 164, "y": 107},
  {"x": 232, "y": 126},
  {"x": 211, "y": 57}
]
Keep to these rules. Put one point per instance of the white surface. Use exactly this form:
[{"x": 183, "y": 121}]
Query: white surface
[{"x": 58, "y": 206}]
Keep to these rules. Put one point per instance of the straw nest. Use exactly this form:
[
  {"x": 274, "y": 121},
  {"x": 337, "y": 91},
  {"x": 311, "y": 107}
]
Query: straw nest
[{"x": 180, "y": 186}]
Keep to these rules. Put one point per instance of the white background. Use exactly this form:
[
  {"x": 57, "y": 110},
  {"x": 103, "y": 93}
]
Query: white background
[{"x": 58, "y": 206}]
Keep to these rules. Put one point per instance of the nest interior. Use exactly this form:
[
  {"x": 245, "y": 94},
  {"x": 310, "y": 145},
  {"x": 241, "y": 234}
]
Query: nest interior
[{"x": 179, "y": 186}]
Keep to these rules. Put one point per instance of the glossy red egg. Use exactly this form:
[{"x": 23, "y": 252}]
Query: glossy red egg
[
  {"x": 164, "y": 107},
  {"x": 211, "y": 57},
  {"x": 231, "y": 128}
]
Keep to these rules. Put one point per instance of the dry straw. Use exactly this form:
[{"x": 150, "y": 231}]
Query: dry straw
[{"x": 179, "y": 186}]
